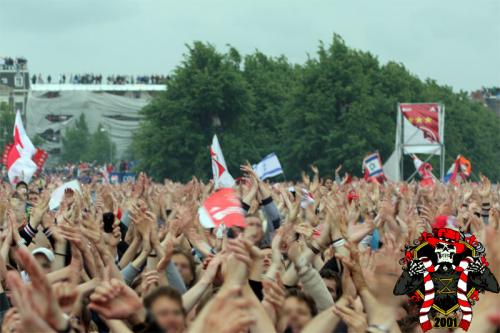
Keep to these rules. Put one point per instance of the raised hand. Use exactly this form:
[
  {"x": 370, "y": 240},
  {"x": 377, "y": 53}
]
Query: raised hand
[
  {"x": 37, "y": 302},
  {"x": 115, "y": 300},
  {"x": 485, "y": 190},
  {"x": 66, "y": 295},
  {"x": 355, "y": 319},
  {"x": 12, "y": 321},
  {"x": 150, "y": 280},
  {"x": 274, "y": 297},
  {"x": 337, "y": 170},
  {"x": 228, "y": 312},
  {"x": 168, "y": 251},
  {"x": 315, "y": 169},
  {"x": 39, "y": 211},
  {"x": 212, "y": 268},
  {"x": 306, "y": 179},
  {"x": 239, "y": 262}
]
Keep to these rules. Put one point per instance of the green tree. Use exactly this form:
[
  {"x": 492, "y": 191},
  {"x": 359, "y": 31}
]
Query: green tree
[
  {"x": 75, "y": 141},
  {"x": 206, "y": 94},
  {"x": 101, "y": 148},
  {"x": 335, "y": 108},
  {"x": 7, "y": 119}
]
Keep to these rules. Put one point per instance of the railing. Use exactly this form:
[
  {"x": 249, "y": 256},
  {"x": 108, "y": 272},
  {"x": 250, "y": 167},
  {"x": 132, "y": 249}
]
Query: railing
[{"x": 97, "y": 87}]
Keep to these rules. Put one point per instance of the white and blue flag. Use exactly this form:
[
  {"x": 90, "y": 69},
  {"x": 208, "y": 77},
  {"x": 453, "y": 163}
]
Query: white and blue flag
[
  {"x": 269, "y": 167},
  {"x": 373, "y": 166}
]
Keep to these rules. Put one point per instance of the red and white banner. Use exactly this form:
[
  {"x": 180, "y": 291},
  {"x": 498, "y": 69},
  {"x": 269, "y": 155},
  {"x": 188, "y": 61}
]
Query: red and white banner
[
  {"x": 222, "y": 208},
  {"x": 422, "y": 127},
  {"x": 21, "y": 158},
  {"x": 222, "y": 177}
]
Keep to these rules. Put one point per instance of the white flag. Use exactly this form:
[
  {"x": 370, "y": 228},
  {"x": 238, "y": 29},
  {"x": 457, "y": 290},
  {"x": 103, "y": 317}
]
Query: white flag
[
  {"x": 58, "y": 194},
  {"x": 21, "y": 139},
  {"x": 19, "y": 163},
  {"x": 269, "y": 167},
  {"x": 373, "y": 166},
  {"x": 222, "y": 177}
]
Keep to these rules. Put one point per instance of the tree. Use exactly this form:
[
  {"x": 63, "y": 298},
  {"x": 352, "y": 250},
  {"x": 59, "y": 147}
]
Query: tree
[
  {"x": 75, "y": 141},
  {"x": 335, "y": 108},
  {"x": 101, "y": 148},
  {"x": 7, "y": 119},
  {"x": 206, "y": 95}
]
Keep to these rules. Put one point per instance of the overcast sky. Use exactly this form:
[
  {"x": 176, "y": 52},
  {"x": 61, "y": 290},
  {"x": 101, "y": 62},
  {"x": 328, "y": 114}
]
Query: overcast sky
[{"x": 456, "y": 42}]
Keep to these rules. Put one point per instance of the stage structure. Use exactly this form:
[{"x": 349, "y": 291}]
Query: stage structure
[
  {"x": 419, "y": 130},
  {"x": 53, "y": 108}
]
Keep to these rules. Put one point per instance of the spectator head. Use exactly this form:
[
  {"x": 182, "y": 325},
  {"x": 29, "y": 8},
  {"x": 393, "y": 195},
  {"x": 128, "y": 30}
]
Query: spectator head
[
  {"x": 266, "y": 256},
  {"x": 165, "y": 305},
  {"x": 333, "y": 282},
  {"x": 299, "y": 309},
  {"x": 45, "y": 258},
  {"x": 185, "y": 265},
  {"x": 33, "y": 197},
  {"x": 254, "y": 230},
  {"x": 22, "y": 190},
  {"x": 328, "y": 182}
]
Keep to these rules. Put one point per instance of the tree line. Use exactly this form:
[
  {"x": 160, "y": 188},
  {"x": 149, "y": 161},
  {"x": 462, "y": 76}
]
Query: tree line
[
  {"x": 335, "y": 108},
  {"x": 78, "y": 144}
]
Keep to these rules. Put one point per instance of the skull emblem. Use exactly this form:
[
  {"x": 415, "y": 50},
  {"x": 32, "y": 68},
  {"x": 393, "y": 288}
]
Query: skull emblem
[{"x": 445, "y": 252}]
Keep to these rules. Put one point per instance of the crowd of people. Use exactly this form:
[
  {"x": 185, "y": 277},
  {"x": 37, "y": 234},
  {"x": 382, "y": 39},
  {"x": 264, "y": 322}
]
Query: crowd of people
[
  {"x": 133, "y": 257},
  {"x": 9, "y": 63},
  {"x": 99, "y": 79},
  {"x": 83, "y": 171}
]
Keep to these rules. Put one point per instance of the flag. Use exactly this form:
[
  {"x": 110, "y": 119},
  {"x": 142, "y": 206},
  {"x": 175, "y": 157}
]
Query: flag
[
  {"x": 105, "y": 175},
  {"x": 424, "y": 169},
  {"x": 372, "y": 165},
  {"x": 420, "y": 128},
  {"x": 425, "y": 118},
  {"x": 18, "y": 156},
  {"x": 269, "y": 167},
  {"x": 57, "y": 196},
  {"x": 40, "y": 157},
  {"x": 222, "y": 208},
  {"x": 222, "y": 177},
  {"x": 460, "y": 170},
  {"x": 307, "y": 199},
  {"x": 21, "y": 139}
]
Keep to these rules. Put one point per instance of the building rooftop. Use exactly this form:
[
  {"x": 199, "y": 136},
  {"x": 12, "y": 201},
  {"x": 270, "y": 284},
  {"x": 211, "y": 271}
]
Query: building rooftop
[{"x": 98, "y": 87}]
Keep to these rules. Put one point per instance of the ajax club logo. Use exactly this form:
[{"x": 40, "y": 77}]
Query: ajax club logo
[{"x": 444, "y": 271}]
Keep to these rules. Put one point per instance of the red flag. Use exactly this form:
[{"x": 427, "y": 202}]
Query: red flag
[
  {"x": 222, "y": 208},
  {"x": 40, "y": 157},
  {"x": 425, "y": 117}
]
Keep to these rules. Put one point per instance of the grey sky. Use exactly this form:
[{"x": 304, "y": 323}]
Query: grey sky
[{"x": 456, "y": 42}]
